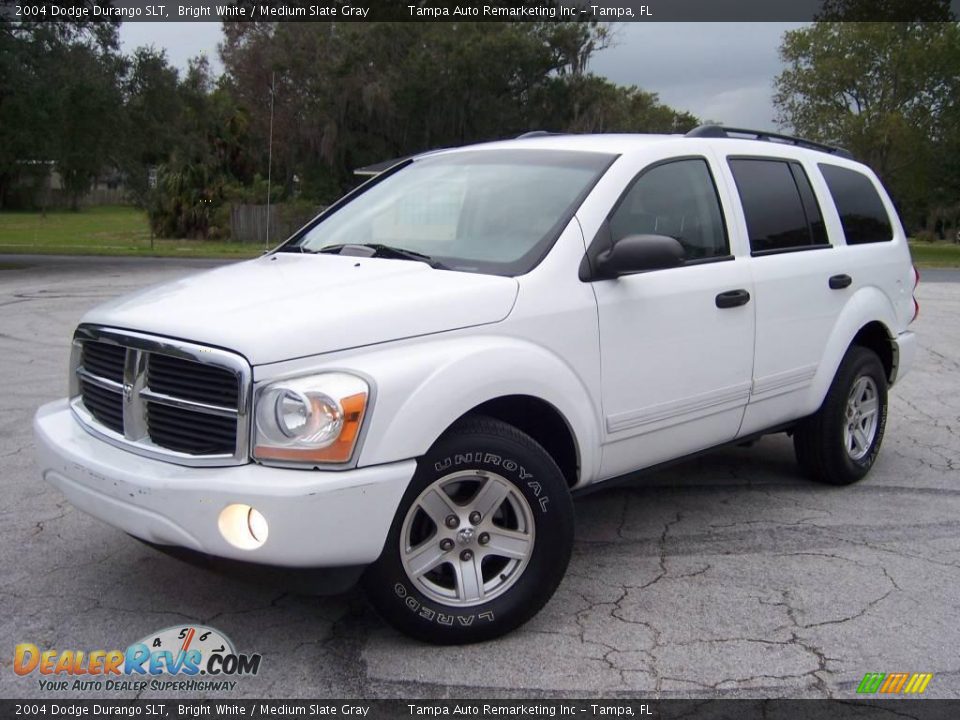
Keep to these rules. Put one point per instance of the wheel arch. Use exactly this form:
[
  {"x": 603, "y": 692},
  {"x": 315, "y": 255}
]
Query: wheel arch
[
  {"x": 876, "y": 336},
  {"x": 543, "y": 422},
  {"x": 867, "y": 320}
]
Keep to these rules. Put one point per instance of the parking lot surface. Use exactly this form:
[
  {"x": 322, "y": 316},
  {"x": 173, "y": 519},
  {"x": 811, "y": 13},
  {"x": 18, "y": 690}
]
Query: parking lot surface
[{"x": 728, "y": 575}]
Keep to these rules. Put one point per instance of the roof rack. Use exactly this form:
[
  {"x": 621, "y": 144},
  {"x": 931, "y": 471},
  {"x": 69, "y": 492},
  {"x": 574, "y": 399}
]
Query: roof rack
[
  {"x": 535, "y": 133},
  {"x": 377, "y": 168},
  {"x": 718, "y": 131}
]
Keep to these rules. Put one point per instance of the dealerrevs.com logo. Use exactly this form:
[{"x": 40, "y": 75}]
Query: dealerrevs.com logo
[{"x": 191, "y": 658}]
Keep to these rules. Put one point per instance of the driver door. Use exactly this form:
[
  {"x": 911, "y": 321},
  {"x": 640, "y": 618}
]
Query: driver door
[{"x": 676, "y": 354}]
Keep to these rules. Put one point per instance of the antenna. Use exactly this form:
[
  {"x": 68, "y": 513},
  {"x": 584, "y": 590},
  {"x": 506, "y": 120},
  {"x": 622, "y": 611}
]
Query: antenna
[{"x": 273, "y": 84}]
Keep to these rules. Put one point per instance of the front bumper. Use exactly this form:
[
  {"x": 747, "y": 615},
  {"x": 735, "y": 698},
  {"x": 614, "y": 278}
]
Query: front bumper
[{"x": 316, "y": 519}]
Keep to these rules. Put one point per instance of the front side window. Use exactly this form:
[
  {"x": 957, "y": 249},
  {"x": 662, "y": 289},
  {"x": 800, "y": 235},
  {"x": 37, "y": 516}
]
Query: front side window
[
  {"x": 677, "y": 199},
  {"x": 490, "y": 211},
  {"x": 780, "y": 207},
  {"x": 862, "y": 215}
]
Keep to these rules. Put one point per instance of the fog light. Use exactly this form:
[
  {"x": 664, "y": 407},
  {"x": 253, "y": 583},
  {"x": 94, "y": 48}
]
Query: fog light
[{"x": 243, "y": 527}]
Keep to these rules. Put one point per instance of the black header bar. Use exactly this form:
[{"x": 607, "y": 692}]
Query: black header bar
[{"x": 472, "y": 10}]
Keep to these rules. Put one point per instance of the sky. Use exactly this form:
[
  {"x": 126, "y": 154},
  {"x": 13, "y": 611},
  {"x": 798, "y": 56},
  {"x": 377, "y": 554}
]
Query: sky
[{"x": 717, "y": 71}]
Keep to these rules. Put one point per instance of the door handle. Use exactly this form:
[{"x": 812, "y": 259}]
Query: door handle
[
  {"x": 839, "y": 282},
  {"x": 732, "y": 298}
]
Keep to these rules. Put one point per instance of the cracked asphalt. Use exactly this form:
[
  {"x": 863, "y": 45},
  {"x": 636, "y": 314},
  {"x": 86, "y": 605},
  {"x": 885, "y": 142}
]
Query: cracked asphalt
[{"x": 728, "y": 575}]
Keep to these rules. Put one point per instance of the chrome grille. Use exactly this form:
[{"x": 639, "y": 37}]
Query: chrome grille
[
  {"x": 104, "y": 404},
  {"x": 163, "y": 398},
  {"x": 104, "y": 360},
  {"x": 191, "y": 381}
]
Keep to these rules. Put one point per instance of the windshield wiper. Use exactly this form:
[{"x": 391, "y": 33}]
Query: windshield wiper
[{"x": 384, "y": 251}]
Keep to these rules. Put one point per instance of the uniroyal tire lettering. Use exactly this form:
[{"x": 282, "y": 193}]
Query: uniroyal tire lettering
[{"x": 507, "y": 464}]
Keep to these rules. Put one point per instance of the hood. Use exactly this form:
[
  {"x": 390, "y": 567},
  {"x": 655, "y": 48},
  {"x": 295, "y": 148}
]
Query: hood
[{"x": 290, "y": 305}]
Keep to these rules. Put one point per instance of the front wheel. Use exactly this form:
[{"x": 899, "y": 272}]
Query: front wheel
[
  {"x": 481, "y": 540},
  {"x": 840, "y": 442}
]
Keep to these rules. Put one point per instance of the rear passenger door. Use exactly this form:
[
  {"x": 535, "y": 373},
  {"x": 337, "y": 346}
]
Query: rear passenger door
[{"x": 792, "y": 262}]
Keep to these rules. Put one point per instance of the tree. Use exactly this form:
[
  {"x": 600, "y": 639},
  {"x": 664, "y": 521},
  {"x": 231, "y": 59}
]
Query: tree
[
  {"x": 350, "y": 94},
  {"x": 885, "y": 91},
  {"x": 151, "y": 118},
  {"x": 210, "y": 157},
  {"x": 59, "y": 90}
]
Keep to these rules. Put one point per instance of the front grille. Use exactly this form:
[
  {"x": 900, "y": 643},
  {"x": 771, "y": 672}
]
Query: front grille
[
  {"x": 192, "y": 380},
  {"x": 104, "y": 360},
  {"x": 163, "y": 398},
  {"x": 105, "y": 405},
  {"x": 190, "y": 432}
]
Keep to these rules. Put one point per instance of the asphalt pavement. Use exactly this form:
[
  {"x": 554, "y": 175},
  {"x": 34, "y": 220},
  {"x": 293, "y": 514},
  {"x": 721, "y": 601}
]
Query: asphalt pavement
[{"x": 729, "y": 575}]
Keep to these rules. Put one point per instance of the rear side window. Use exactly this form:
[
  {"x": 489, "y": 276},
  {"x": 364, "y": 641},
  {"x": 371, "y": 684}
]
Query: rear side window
[
  {"x": 780, "y": 208},
  {"x": 861, "y": 210}
]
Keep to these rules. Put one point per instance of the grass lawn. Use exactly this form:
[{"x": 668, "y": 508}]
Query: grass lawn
[
  {"x": 123, "y": 230},
  {"x": 102, "y": 231},
  {"x": 935, "y": 255}
]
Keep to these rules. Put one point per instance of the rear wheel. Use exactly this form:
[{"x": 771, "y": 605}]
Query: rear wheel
[
  {"x": 481, "y": 540},
  {"x": 839, "y": 444}
]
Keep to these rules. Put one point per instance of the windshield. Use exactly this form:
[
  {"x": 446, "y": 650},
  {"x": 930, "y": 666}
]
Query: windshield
[{"x": 492, "y": 211}]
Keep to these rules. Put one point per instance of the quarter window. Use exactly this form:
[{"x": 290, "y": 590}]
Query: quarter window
[
  {"x": 677, "y": 199},
  {"x": 861, "y": 210},
  {"x": 780, "y": 208}
]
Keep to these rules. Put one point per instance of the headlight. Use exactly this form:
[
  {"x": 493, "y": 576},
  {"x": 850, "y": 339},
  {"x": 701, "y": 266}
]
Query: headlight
[{"x": 310, "y": 419}]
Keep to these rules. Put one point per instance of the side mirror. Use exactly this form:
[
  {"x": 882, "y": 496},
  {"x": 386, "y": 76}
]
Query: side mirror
[{"x": 637, "y": 253}]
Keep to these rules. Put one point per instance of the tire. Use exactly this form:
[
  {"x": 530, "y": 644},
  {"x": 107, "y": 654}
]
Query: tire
[
  {"x": 826, "y": 448},
  {"x": 424, "y": 583}
]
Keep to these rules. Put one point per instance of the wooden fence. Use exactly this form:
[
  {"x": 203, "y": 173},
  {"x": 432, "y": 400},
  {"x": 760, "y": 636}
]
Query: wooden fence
[{"x": 248, "y": 223}]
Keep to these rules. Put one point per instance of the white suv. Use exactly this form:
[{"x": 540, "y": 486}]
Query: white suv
[{"x": 411, "y": 387}]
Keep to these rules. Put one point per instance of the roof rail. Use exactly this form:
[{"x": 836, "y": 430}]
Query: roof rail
[
  {"x": 718, "y": 131},
  {"x": 535, "y": 133},
  {"x": 377, "y": 168}
]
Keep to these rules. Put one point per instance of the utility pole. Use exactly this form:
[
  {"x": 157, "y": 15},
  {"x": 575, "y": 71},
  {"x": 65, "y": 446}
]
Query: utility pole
[{"x": 273, "y": 83}]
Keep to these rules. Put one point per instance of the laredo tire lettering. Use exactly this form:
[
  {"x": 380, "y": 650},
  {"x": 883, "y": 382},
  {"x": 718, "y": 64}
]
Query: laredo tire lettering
[{"x": 431, "y": 615}]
